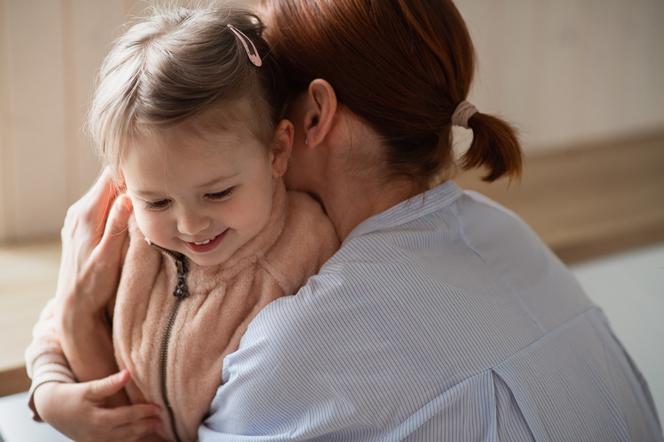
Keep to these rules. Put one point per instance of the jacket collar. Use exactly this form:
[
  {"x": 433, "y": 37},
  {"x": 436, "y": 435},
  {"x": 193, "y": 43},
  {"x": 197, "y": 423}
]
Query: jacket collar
[{"x": 415, "y": 207}]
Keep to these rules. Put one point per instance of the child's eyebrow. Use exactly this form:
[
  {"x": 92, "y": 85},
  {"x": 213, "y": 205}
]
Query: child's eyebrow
[
  {"x": 146, "y": 193},
  {"x": 217, "y": 180}
]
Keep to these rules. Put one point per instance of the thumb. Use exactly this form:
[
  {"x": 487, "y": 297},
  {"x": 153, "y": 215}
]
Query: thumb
[
  {"x": 112, "y": 241},
  {"x": 100, "y": 389}
]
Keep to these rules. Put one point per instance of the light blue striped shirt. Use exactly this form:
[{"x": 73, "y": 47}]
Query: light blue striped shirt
[{"x": 444, "y": 318}]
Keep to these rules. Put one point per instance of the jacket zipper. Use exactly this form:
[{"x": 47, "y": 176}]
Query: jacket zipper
[{"x": 180, "y": 292}]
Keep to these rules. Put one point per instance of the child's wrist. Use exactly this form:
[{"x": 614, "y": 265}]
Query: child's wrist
[{"x": 41, "y": 396}]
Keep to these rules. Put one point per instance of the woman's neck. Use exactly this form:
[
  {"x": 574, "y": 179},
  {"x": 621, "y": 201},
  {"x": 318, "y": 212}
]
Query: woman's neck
[
  {"x": 348, "y": 202},
  {"x": 351, "y": 175}
]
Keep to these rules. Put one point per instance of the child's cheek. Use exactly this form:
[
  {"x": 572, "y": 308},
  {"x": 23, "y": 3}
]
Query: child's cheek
[{"x": 252, "y": 213}]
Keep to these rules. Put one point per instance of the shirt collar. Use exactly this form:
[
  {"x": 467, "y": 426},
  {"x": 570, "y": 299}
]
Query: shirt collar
[{"x": 415, "y": 207}]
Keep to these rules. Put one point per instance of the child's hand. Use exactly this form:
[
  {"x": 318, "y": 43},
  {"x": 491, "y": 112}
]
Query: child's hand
[{"x": 77, "y": 410}]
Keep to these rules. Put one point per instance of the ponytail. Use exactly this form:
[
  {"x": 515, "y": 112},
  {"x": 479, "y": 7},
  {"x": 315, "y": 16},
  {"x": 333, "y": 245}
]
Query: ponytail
[{"x": 495, "y": 146}]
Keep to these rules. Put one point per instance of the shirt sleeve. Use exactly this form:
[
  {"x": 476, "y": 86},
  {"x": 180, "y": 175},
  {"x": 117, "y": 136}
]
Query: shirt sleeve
[
  {"x": 272, "y": 389},
  {"x": 44, "y": 358},
  {"x": 298, "y": 374}
]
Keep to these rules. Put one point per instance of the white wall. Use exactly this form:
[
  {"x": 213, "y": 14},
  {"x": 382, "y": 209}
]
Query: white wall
[
  {"x": 564, "y": 71},
  {"x": 629, "y": 287}
]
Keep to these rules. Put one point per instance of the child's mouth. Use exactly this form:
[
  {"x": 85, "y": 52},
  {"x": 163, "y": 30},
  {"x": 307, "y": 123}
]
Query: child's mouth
[{"x": 208, "y": 244}]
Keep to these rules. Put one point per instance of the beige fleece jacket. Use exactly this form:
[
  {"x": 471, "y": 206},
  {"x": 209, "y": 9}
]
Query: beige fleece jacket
[{"x": 181, "y": 341}]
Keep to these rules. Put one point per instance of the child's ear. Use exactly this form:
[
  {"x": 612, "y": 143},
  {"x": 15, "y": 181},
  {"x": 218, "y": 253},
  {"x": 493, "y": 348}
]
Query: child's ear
[{"x": 282, "y": 145}]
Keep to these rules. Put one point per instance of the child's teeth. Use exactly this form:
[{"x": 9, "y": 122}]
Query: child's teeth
[{"x": 202, "y": 243}]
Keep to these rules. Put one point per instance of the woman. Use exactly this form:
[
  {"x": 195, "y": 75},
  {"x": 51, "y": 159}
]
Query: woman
[{"x": 442, "y": 316}]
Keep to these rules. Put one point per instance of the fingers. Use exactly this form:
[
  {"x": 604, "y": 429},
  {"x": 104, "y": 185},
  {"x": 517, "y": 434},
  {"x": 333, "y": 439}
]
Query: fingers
[
  {"x": 118, "y": 216},
  {"x": 112, "y": 241},
  {"x": 129, "y": 413},
  {"x": 138, "y": 429},
  {"x": 92, "y": 208},
  {"x": 130, "y": 422},
  {"x": 100, "y": 389},
  {"x": 99, "y": 200}
]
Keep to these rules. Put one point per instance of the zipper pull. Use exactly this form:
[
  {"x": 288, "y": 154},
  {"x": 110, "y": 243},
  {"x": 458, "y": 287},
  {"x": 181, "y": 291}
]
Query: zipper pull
[{"x": 181, "y": 290}]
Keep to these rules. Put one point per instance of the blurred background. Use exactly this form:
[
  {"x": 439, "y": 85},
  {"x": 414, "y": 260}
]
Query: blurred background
[{"x": 582, "y": 80}]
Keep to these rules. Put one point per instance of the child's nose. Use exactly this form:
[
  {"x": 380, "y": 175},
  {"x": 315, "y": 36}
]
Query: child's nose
[{"x": 191, "y": 223}]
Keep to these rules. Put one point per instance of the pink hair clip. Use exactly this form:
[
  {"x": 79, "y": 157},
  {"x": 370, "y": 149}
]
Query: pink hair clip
[{"x": 252, "y": 53}]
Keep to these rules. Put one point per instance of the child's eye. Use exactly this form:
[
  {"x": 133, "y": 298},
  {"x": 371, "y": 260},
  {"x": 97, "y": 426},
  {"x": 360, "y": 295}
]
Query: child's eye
[
  {"x": 156, "y": 205},
  {"x": 220, "y": 195}
]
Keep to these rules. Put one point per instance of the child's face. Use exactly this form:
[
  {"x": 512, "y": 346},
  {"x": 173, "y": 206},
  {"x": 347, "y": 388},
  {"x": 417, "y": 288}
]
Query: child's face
[{"x": 203, "y": 195}]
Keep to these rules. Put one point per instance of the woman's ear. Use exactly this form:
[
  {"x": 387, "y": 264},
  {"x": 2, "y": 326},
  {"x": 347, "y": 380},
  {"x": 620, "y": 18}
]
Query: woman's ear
[
  {"x": 282, "y": 146},
  {"x": 321, "y": 111}
]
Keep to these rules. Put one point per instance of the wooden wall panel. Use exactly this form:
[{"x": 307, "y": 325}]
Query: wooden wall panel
[
  {"x": 590, "y": 200},
  {"x": 50, "y": 53},
  {"x": 36, "y": 194},
  {"x": 568, "y": 72},
  {"x": 4, "y": 126},
  {"x": 91, "y": 28}
]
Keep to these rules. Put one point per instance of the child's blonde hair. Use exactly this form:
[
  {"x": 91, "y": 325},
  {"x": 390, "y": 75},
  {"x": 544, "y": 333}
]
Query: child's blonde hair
[{"x": 177, "y": 63}]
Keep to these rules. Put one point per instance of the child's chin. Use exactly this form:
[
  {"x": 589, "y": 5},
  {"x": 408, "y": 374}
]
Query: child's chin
[{"x": 206, "y": 261}]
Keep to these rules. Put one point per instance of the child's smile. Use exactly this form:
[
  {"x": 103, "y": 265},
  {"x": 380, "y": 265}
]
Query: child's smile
[{"x": 206, "y": 245}]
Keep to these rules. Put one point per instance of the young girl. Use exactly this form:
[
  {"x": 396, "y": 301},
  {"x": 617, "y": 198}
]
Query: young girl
[{"x": 187, "y": 113}]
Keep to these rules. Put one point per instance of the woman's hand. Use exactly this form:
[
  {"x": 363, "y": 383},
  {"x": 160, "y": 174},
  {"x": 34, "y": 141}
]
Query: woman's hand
[
  {"x": 78, "y": 411},
  {"x": 93, "y": 239}
]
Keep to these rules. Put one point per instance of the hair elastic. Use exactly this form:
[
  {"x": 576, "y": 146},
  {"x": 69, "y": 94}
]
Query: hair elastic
[
  {"x": 462, "y": 114},
  {"x": 252, "y": 53}
]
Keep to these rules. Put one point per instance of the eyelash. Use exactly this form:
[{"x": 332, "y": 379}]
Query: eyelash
[
  {"x": 163, "y": 204},
  {"x": 220, "y": 195},
  {"x": 157, "y": 205}
]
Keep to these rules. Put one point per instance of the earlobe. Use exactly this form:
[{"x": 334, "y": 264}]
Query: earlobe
[{"x": 282, "y": 145}]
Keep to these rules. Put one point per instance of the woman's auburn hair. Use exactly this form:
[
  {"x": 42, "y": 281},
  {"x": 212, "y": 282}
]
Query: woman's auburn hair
[{"x": 403, "y": 66}]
